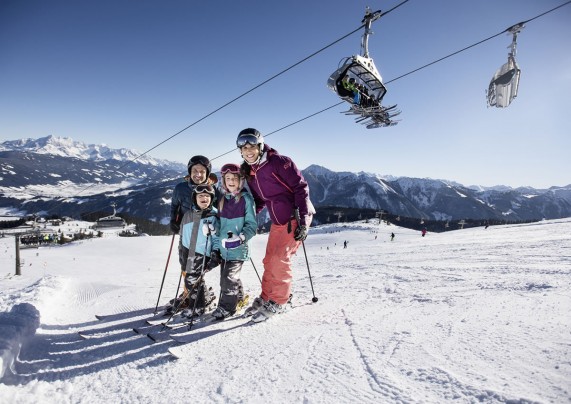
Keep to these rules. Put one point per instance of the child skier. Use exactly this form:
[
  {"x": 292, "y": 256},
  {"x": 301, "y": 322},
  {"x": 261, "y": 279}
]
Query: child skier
[
  {"x": 199, "y": 171},
  {"x": 197, "y": 242},
  {"x": 237, "y": 215}
]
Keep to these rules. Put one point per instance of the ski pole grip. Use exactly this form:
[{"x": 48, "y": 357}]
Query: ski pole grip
[{"x": 296, "y": 215}]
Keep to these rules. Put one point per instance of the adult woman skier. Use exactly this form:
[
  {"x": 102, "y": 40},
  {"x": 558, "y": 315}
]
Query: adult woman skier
[{"x": 275, "y": 183}]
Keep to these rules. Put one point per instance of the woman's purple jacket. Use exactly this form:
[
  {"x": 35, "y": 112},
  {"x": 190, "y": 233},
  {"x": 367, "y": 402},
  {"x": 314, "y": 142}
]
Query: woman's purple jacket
[{"x": 276, "y": 182}]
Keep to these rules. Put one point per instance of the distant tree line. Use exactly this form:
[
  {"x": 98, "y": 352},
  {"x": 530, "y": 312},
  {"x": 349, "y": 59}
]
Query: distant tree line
[
  {"x": 9, "y": 224},
  {"x": 141, "y": 225},
  {"x": 146, "y": 226},
  {"x": 329, "y": 214},
  {"x": 334, "y": 214}
]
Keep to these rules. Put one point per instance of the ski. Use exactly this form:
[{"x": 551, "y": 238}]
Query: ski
[
  {"x": 176, "y": 353},
  {"x": 160, "y": 321},
  {"x": 145, "y": 329},
  {"x": 181, "y": 321},
  {"x": 158, "y": 336},
  {"x": 164, "y": 333},
  {"x": 84, "y": 335}
]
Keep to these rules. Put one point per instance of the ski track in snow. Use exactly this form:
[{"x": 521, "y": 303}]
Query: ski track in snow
[{"x": 465, "y": 316}]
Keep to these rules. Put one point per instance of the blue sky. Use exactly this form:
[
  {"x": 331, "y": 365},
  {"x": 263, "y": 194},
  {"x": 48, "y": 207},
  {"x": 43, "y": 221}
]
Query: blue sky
[{"x": 133, "y": 73}]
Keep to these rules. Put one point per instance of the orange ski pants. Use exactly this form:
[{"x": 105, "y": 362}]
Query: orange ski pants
[{"x": 276, "y": 281}]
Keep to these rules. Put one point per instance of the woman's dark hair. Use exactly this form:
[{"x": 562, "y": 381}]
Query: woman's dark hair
[{"x": 245, "y": 170}]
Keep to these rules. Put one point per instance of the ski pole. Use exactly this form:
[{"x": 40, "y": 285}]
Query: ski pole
[
  {"x": 255, "y": 270},
  {"x": 165, "y": 274},
  {"x": 297, "y": 218},
  {"x": 167, "y": 265}
]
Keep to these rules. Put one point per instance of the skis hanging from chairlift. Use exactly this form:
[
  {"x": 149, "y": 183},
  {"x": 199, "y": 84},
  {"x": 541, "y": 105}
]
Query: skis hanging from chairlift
[
  {"x": 504, "y": 85},
  {"x": 358, "y": 82}
]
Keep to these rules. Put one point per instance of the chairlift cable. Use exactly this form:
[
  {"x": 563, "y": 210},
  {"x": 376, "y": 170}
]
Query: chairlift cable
[
  {"x": 286, "y": 126},
  {"x": 542, "y": 14},
  {"x": 475, "y": 44},
  {"x": 258, "y": 86}
]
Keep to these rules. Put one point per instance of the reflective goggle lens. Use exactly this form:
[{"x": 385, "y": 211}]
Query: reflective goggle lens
[{"x": 243, "y": 140}]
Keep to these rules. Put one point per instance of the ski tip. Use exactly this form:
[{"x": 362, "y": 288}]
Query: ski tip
[
  {"x": 100, "y": 317},
  {"x": 82, "y": 335},
  {"x": 174, "y": 353}
]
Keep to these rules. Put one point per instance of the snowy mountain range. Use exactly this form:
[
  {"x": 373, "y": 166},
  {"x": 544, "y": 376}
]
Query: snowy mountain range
[
  {"x": 61, "y": 176},
  {"x": 435, "y": 199},
  {"x": 66, "y": 147}
]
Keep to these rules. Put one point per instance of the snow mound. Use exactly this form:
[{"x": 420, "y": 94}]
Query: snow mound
[{"x": 18, "y": 324}]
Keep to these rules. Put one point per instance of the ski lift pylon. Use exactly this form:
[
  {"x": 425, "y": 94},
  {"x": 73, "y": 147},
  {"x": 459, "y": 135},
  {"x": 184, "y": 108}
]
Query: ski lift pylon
[
  {"x": 358, "y": 82},
  {"x": 505, "y": 83}
]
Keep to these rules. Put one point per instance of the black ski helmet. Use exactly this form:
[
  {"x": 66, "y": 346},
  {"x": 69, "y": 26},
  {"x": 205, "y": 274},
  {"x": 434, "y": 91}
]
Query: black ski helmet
[
  {"x": 250, "y": 136},
  {"x": 203, "y": 189},
  {"x": 203, "y": 161}
]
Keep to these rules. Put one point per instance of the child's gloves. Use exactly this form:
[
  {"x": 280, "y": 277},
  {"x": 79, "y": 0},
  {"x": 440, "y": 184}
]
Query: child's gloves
[
  {"x": 208, "y": 228},
  {"x": 215, "y": 259}
]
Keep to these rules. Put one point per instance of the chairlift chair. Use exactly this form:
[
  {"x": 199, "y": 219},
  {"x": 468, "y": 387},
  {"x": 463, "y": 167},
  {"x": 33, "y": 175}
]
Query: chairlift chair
[
  {"x": 505, "y": 83},
  {"x": 362, "y": 69}
]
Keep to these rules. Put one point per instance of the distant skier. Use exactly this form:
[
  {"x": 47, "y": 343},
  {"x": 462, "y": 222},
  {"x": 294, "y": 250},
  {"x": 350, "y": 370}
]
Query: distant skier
[
  {"x": 392, "y": 236},
  {"x": 345, "y": 244},
  {"x": 238, "y": 224},
  {"x": 275, "y": 182},
  {"x": 424, "y": 232}
]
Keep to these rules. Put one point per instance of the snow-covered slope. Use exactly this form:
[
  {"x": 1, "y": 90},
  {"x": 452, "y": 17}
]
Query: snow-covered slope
[{"x": 465, "y": 316}]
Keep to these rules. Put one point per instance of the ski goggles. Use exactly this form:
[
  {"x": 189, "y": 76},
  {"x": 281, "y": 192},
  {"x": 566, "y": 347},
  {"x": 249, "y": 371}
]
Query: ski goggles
[
  {"x": 230, "y": 169},
  {"x": 248, "y": 138},
  {"x": 204, "y": 189}
]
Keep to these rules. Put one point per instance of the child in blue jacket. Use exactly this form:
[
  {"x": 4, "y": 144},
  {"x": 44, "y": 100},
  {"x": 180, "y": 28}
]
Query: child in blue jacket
[
  {"x": 198, "y": 241},
  {"x": 236, "y": 212}
]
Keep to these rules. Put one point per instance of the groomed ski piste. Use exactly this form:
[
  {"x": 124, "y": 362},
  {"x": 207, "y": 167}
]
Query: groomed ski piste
[{"x": 473, "y": 315}]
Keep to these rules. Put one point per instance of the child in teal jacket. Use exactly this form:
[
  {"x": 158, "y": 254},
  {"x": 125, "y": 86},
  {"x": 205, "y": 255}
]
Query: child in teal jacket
[{"x": 237, "y": 216}]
